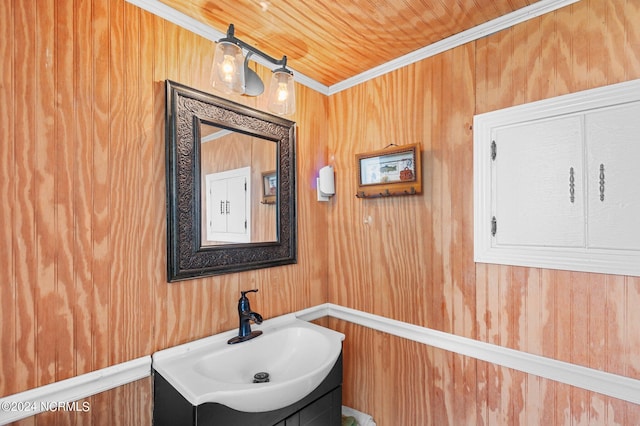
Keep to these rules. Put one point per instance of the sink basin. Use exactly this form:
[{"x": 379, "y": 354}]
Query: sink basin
[{"x": 297, "y": 356}]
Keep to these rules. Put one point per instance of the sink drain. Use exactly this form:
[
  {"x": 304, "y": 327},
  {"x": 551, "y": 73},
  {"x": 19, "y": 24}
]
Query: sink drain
[{"x": 261, "y": 377}]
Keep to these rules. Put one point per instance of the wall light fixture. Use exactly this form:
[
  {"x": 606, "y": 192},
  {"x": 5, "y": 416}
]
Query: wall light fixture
[{"x": 230, "y": 73}]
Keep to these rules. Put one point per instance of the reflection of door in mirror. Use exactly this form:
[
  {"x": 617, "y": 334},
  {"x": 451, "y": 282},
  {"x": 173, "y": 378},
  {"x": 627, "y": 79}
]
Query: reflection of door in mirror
[
  {"x": 224, "y": 150},
  {"x": 227, "y": 208}
]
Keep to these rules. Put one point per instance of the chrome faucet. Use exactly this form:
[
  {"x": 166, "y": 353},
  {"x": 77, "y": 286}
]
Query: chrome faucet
[{"x": 246, "y": 316}]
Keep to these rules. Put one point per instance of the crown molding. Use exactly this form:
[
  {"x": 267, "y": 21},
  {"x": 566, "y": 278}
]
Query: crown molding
[
  {"x": 180, "y": 19},
  {"x": 532, "y": 11},
  {"x": 506, "y": 21}
]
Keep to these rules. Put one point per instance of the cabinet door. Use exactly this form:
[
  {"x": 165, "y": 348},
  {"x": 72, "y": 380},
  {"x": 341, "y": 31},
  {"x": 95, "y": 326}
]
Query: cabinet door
[
  {"x": 538, "y": 192},
  {"x": 237, "y": 207},
  {"x": 216, "y": 188},
  {"x": 325, "y": 411},
  {"x": 613, "y": 158},
  {"x": 228, "y": 206}
]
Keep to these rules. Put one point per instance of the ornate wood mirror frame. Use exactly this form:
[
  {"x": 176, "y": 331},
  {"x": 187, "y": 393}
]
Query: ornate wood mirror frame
[{"x": 187, "y": 257}]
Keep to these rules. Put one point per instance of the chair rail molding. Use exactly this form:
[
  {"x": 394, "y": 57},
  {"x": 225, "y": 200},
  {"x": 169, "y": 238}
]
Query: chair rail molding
[
  {"x": 614, "y": 385},
  {"x": 76, "y": 388},
  {"x": 58, "y": 394}
]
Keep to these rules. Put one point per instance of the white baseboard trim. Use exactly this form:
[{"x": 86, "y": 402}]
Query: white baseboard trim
[
  {"x": 609, "y": 384},
  {"x": 56, "y": 396}
]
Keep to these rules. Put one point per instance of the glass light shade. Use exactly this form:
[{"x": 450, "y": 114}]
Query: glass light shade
[
  {"x": 227, "y": 72},
  {"x": 282, "y": 95}
]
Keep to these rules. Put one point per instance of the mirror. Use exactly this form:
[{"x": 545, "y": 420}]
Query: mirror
[
  {"x": 236, "y": 206},
  {"x": 231, "y": 202}
]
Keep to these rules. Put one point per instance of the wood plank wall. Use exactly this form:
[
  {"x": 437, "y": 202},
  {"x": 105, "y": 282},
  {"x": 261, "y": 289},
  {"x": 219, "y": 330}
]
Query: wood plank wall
[
  {"x": 411, "y": 258},
  {"x": 82, "y": 228},
  {"x": 83, "y": 222}
]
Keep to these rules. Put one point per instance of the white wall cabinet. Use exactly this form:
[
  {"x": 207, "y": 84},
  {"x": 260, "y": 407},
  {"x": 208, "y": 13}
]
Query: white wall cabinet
[
  {"x": 557, "y": 182},
  {"x": 228, "y": 206}
]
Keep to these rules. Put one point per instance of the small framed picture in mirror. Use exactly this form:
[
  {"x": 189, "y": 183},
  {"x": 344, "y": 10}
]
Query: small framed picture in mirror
[{"x": 269, "y": 187}]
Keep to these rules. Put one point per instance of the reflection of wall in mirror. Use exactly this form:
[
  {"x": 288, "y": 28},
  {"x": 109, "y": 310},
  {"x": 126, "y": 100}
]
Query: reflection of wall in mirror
[
  {"x": 233, "y": 150},
  {"x": 264, "y": 221}
]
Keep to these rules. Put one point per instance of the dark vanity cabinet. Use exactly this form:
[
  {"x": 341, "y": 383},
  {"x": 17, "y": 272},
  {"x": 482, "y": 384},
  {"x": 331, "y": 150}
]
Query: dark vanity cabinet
[{"x": 322, "y": 407}]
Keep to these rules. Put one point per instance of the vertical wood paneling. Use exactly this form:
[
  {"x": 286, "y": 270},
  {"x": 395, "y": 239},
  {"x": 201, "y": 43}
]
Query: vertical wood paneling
[
  {"x": 150, "y": 272},
  {"x": 83, "y": 236},
  {"x": 50, "y": 205},
  {"x": 23, "y": 223},
  {"x": 128, "y": 158},
  {"x": 8, "y": 291},
  {"x": 100, "y": 178},
  {"x": 118, "y": 332},
  {"x": 60, "y": 302},
  {"x": 155, "y": 271},
  {"x": 352, "y": 225},
  {"x": 83, "y": 225},
  {"x": 581, "y": 318},
  {"x": 444, "y": 246},
  {"x": 83, "y": 188}
]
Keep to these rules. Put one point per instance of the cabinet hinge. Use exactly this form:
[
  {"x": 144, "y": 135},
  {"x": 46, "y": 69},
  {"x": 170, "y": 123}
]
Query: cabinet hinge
[
  {"x": 494, "y": 226},
  {"x": 494, "y": 150}
]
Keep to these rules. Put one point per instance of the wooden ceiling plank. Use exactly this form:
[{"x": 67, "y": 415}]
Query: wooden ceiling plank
[
  {"x": 350, "y": 51},
  {"x": 327, "y": 50},
  {"x": 337, "y": 40},
  {"x": 380, "y": 17},
  {"x": 376, "y": 48}
]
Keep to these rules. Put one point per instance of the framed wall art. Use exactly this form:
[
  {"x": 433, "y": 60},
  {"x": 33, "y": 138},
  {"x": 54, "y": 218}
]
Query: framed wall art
[{"x": 395, "y": 170}]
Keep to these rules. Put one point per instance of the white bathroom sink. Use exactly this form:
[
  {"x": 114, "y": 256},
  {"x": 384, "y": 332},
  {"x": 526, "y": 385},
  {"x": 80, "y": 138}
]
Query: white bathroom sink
[{"x": 296, "y": 354}]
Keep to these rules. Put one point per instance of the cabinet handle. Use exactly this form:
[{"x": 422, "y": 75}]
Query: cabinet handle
[
  {"x": 228, "y": 209},
  {"x": 221, "y": 207},
  {"x": 572, "y": 185},
  {"x": 601, "y": 182}
]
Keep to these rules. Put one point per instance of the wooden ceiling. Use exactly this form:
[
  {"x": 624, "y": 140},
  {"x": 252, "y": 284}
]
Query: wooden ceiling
[{"x": 331, "y": 41}]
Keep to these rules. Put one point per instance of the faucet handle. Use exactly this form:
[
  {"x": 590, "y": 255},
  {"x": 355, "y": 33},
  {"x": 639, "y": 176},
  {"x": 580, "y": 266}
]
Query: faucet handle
[
  {"x": 243, "y": 302},
  {"x": 243, "y": 293}
]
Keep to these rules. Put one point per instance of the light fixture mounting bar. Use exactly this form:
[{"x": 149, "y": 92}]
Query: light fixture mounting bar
[{"x": 231, "y": 38}]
